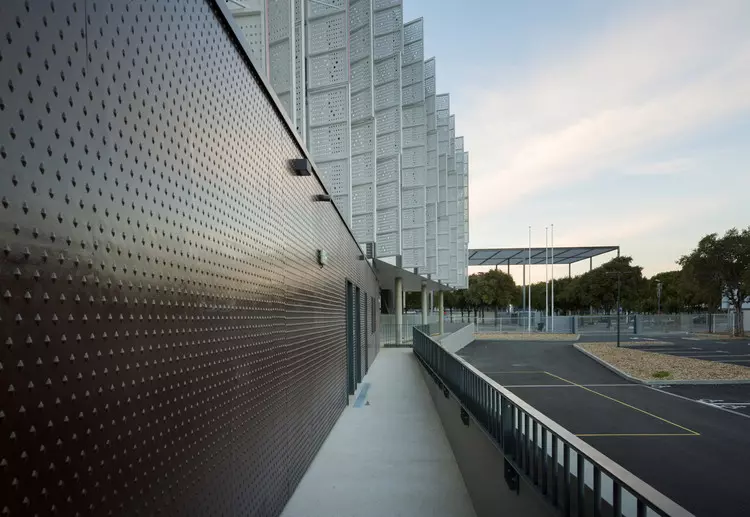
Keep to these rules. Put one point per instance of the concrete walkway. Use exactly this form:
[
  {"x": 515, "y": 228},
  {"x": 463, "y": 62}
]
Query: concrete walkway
[{"x": 387, "y": 454}]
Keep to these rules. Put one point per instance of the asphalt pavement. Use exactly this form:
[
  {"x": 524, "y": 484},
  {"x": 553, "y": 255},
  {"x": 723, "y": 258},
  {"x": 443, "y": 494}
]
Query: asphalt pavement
[{"x": 682, "y": 440}]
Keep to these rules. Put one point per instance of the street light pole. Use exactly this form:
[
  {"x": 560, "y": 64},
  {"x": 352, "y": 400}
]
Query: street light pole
[
  {"x": 619, "y": 276},
  {"x": 619, "y": 279}
]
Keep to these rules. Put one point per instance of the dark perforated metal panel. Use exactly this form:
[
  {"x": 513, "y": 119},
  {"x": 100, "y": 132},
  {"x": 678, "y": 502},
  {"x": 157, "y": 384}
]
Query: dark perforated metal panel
[{"x": 169, "y": 343}]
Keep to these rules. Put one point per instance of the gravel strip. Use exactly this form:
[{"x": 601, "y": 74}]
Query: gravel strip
[
  {"x": 523, "y": 336},
  {"x": 722, "y": 337},
  {"x": 647, "y": 343},
  {"x": 644, "y": 365}
]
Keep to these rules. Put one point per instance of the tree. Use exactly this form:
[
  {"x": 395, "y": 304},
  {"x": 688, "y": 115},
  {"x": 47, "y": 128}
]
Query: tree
[
  {"x": 598, "y": 288},
  {"x": 723, "y": 262},
  {"x": 491, "y": 289}
]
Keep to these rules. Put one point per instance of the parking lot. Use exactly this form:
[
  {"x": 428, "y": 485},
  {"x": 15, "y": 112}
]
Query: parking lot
[
  {"x": 720, "y": 350},
  {"x": 675, "y": 438}
]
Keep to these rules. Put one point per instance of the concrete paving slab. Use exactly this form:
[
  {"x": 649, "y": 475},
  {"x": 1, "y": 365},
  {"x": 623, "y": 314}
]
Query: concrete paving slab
[{"x": 387, "y": 454}]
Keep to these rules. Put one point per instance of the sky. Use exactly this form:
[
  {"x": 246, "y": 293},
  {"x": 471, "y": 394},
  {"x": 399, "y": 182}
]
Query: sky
[{"x": 621, "y": 122}]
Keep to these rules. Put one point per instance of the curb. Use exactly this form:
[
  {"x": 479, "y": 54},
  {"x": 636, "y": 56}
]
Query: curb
[{"x": 656, "y": 383}]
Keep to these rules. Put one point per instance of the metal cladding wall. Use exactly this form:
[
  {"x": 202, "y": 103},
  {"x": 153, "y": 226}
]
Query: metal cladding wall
[{"x": 170, "y": 344}]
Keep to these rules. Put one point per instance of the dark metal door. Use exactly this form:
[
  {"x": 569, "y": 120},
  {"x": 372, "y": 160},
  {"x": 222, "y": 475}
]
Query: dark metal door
[
  {"x": 358, "y": 336},
  {"x": 367, "y": 335},
  {"x": 350, "y": 338}
]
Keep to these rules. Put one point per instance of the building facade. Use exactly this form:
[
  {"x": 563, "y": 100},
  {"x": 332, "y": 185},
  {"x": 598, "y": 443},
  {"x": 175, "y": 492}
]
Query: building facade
[
  {"x": 184, "y": 314},
  {"x": 353, "y": 80}
]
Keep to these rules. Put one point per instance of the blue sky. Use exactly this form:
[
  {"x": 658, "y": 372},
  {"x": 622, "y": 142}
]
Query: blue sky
[{"x": 621, "y": 122}]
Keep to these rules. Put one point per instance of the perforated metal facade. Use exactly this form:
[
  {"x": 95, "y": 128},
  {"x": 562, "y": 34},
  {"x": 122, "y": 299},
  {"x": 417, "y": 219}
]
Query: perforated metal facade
[
  {"x": 170, "y": 344},
  {"x": 391, "y": 169},
  {"x": 414, "y": 156}
]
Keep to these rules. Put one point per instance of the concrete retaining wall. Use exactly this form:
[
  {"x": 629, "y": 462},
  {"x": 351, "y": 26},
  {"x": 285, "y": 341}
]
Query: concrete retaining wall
[
  {"x": 455, "y": 341},
  {"x": 482, "y": 464}
]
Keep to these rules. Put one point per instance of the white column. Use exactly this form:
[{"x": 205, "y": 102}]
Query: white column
[
  {"x": 441, "y": 311},
  {"x": 399, "y": 293},
  {"x": 425, "y": 308}
]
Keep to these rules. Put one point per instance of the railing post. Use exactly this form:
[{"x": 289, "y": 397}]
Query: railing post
[
  {"x": 555, "y": 472},
  {"x": 566, "y": 480},
  {"x": 580, "y": 485},
  {"x": 534, "y": 456},
  {"x": 616, "y": 499},
  {"x": 544, "y": 461},
  {"x": 597, "y": 492}
]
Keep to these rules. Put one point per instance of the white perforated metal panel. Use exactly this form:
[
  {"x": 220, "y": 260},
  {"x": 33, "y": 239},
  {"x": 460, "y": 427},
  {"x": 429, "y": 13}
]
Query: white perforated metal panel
[
  {"x": 462, "y": 193},
  {"x": 329, "y": 97},
  {"x": 300, "y": 74},
  {"x": 465, "y": 253},
  {"x": 281, "y": 53},
  {"x": 442, "y": 105},
  {"x": 414, "y": 142},
  {"x": 387, "y": 30},
  {"x": 250, "y": 16},
  {"x": 431, "y": 169},
  {"x": 451, "y": 200}
]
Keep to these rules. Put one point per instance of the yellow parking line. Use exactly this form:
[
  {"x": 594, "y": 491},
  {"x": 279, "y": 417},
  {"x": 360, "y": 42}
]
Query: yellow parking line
[
  {"x": 584, "y": 435},
  {"x": 625, "y": 404},
  {"x": 517, "y": 371}
]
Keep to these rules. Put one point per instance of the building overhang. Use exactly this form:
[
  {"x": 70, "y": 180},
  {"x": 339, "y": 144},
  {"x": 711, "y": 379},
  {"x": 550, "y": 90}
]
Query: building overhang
[{"x": 387, "y": 273}]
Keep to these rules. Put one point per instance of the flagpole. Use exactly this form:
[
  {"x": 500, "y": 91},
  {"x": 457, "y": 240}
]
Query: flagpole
[
  {"x": 546, "y": 279},
  {"x": 528, "y": 311},
  {"x": 553, "y": 277}
]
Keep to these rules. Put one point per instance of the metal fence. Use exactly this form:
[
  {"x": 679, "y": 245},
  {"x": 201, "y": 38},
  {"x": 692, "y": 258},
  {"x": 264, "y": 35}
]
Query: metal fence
[
  {"x": 639, "y": 324},
  {"x": 569, "y": 473},
  {"x": 389, "y": 333},
  {"x": 521, "y": 323}
]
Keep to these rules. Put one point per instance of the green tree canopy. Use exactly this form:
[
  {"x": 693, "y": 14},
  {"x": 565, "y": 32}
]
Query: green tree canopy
[{"x": 722, "y": 264}]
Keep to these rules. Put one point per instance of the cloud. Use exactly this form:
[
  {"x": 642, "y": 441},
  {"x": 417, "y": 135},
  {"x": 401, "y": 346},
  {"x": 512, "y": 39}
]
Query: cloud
[
  {"x": 628, "y": 91},
  {"x": 661, "y": 168}
]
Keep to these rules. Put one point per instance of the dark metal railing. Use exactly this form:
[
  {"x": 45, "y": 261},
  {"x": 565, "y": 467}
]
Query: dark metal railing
[{"x": 572, "y": 475}]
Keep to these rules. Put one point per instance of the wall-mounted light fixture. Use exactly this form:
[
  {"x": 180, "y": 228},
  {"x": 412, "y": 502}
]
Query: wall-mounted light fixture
[
  {"x": 322, "y": 257},
  {"x": 322, "y": 197},
  {"x": 302, "y": 166}
]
